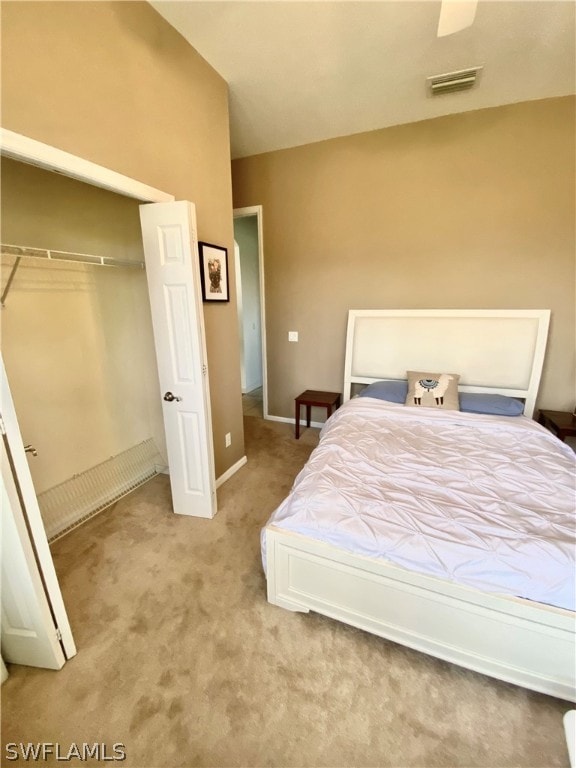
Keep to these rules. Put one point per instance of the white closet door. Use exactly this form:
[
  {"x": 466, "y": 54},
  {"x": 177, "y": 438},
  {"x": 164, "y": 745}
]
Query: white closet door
[
  {"x": 29, "y": 634},
  {"x": 35, "y": 627},
  {"x": 173, "y": 274}
]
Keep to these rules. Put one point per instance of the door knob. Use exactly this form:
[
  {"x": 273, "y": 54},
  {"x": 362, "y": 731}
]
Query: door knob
[
  {"x": 31, "y": 449},
  {"x": 169, "y": 397}
]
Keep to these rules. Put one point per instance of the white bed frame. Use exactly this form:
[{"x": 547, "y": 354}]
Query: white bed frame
[{"x": 522, "y": 642}]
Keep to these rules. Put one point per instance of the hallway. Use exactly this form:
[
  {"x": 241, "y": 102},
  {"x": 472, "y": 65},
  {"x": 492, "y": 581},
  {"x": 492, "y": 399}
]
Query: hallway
[{"x": 252, "y": 403}]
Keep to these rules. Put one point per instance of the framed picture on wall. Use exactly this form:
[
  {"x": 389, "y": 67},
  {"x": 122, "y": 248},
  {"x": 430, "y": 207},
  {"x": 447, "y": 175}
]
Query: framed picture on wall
[{"x": 213, "y": 272}]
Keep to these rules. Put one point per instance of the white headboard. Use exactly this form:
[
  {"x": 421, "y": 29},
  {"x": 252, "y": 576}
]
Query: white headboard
[{"x": 494, "y": 350}]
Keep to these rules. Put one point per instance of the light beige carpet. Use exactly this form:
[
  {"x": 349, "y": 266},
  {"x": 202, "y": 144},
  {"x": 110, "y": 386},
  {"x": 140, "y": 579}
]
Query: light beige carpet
[{"x": 181, "y": 658}]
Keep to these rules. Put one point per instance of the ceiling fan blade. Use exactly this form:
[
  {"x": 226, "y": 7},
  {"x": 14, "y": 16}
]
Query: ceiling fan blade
[{"x": 456, "y": 15}]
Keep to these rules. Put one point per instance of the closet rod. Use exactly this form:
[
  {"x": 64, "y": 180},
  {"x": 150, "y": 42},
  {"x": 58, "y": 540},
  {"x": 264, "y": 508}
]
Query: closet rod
[{"x": 44, "y": 253}]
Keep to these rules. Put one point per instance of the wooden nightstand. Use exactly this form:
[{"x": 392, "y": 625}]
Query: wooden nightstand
[
  {"x": 563, "y": 424},
  {"x": 328, "y": 400}
]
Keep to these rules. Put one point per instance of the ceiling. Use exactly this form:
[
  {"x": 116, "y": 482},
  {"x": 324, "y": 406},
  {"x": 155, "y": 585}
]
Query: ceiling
[{"x": 304, "y": 71}]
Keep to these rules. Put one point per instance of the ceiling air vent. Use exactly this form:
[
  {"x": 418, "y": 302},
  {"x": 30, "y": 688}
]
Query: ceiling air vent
[{"x": 462, "y": 80}]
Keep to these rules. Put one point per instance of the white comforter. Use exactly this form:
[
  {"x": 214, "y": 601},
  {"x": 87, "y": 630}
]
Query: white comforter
[{"x": 486, "y": 501}]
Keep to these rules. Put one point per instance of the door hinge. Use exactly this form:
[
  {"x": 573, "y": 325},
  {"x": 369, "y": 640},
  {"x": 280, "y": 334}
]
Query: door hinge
[
  {"x": 58, "y": 634},
  {"x": 2, "y": 427},
  {"x": 204, "y": 370}
]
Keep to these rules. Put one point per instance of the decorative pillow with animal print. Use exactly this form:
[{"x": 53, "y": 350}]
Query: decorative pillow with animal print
[{"x": 433, "y": 390}]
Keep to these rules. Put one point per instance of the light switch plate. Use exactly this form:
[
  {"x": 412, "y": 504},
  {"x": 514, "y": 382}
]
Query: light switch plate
[{"x": 292, "y": 335}]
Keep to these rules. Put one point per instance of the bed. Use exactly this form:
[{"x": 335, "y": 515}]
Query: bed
[{"x": 449, "y": 531}]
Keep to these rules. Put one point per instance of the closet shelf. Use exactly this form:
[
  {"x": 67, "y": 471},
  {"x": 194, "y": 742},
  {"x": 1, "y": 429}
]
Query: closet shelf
[
  {"x": 20, "y": 251},
  {"x": 83, "y": 258}
]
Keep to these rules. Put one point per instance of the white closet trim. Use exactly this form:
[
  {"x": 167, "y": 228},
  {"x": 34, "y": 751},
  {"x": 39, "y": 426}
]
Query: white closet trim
[{"x": 33, "y": 152}]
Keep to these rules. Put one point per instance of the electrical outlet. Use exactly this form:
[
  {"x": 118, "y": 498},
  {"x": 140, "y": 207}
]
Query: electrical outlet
[
  {"x": 292, "y": 335},
  {"x": 228, "y": 439}
]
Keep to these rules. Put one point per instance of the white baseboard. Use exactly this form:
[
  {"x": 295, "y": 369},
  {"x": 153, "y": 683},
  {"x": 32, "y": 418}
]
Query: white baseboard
[
  {"x": 231, "y": 471},
  {"x": 317, "y": 424},
  {"x": 222, "y": 479}
]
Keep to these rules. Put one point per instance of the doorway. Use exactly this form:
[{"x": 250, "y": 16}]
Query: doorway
[{"x": 249, "y": 262}]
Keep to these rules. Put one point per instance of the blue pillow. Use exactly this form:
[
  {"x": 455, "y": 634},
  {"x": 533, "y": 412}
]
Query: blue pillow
[
  {"x": 496, "y": 405},
  {"x": 392, "y": 391}
]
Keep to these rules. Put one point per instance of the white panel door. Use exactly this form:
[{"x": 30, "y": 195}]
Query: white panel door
[
  {"x": 29, "y": 634},
  {"x": 27, "y": 566},
  {"x": 173, "y": 273}
]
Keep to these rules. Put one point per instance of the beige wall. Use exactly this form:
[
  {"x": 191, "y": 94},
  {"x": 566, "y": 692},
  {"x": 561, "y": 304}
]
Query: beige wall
[
  {"x": 76, "y": 340},
  {"x": 114, "y": 83},
  {"x": 474, "y": 210}
]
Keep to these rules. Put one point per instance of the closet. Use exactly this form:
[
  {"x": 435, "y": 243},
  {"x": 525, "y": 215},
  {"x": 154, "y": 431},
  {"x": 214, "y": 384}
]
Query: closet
[
  {"x": 77, "y": 342},
  {"x": 87, "y": 335}
]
